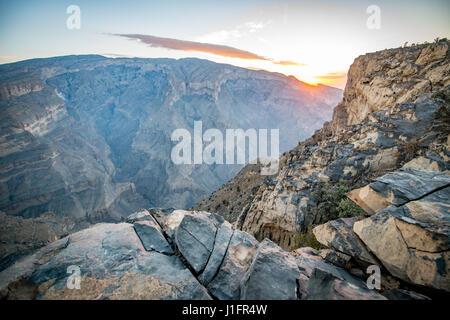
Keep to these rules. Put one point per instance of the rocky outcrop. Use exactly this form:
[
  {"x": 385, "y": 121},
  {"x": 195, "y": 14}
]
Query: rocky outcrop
[
  {"x": 393, "y": 114},
  {"x": 398, "y": 188},
  {"x": 321, "y": 280},
  {"x": 175, "y": 254},
  {"x": 273, "y": 274},
  {"x": 339, "y": 235},
  {"x": 381, "y": 79},
  {"x": 409, "y": 237}
]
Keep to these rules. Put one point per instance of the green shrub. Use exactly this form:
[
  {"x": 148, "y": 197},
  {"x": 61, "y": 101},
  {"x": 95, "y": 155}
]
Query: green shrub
[
  {"x": 332, "y": 202},
  {"x": 225, "y": 202},
  {"x": 308, "y": 239},
  {"x": 347, "y": 208},
  {"x": 217, "y": 207}
]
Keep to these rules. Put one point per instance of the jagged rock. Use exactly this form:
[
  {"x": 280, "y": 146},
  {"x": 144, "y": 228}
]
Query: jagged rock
[
  {"x": 113, "y": 265},
  {"x": 223, "y": 237},
  {"x": 169, "y": 220},
  {"x": 339, "y": 259},
  {"x": 143, "y": 215},
  {"x": 432, "y": 163},
  {"x": 338, "y": 235},
  {"x": 321, "y": 280},
  {"x": 409, "y": 184},
  {"x": 324, "y": 285},
  {"x": 272, "y": 275},
  {"x": 368, "y": 200},
  {"x": 377, "y": 80},
  {"x": 194, "y": 238},
  {"x": 151, "y": 236},
  {"x": 226, "y": 284},
  {"x": 412, "y": 241}
]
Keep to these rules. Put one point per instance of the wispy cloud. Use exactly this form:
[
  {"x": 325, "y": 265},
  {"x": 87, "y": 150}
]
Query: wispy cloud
[
  {"x": 332, "y": 76},
  {"x": 193, "y": 46},
  {"x": 289, "y": 63}
]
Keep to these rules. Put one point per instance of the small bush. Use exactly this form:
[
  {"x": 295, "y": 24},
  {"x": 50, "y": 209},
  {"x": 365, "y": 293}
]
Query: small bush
[
  {"x": 308, "y": 239},
  {"x": 217, "y": 207},
  {"x": 347, "y": 208},
  {"x": 332, "y": 202},
  {"x": 238, "y": 189},
  {"x": 225, "y": 202}
]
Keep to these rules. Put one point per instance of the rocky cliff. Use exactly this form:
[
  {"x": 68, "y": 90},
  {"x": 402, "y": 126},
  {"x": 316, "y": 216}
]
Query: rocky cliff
[
  {"x": 395, "y": 112},
  {"x": 88, "y": 138}
]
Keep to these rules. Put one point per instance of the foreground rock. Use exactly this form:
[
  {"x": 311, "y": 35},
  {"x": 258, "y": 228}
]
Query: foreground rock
[
  {"x": 273, "y": 275},
  {"x": 113, "y": 264},
  {"x": 398, "y": 188},
  {"x": 410, "y": 236},
  {"x": 338, "y": 235},
  {"x": 413, "y": 244},
  {"x": 174, "y": 254},
  {"x": 320, "y": 280}
]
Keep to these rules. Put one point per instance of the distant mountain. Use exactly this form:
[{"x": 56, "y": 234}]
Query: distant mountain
[{"x": 89, "y": 136}]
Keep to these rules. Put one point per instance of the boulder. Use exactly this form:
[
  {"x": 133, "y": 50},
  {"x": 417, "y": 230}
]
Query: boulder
[
  {"x": 226, "y": 283},
  {"x": 152, "y": 237},
  {"x": 337, "y": 258},
  {"x": 272, "y": 275},
  {"x": 223, "y": 237},
  {"x": 195, "y": 238},
  {"x": 412, "y": 241},
  {"x": 324, "y": 285},
  {"x": 112, "y": 264},
  {"x": 320, "y": 280},
  {"x": 409, "y": 184},
  {"x": 338, "y": 235},
  {"x": 398, "y": 188}
]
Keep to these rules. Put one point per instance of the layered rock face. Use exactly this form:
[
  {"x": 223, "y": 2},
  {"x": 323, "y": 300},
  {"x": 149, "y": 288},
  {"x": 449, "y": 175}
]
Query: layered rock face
[
  {"x": 88, "y": 138},
  {"x": 175, "y": 254},
  {"x": 394, "y": 111}
]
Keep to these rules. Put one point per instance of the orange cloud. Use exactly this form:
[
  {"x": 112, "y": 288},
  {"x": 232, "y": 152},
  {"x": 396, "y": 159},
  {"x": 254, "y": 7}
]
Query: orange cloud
[
  {"x": 175, "y": 44},
  {"x": 289, "y": 63},
  {"x": 192, "y": 46},
  {"x": 332, "y": 76}
]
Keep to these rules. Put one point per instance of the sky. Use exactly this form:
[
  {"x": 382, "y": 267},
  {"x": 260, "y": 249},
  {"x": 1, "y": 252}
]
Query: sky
[{"x": 315, "y": 41}]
